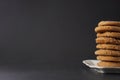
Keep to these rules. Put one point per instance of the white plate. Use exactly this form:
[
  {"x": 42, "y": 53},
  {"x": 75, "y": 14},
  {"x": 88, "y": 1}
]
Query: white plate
[{"x": 93, "y": 65}]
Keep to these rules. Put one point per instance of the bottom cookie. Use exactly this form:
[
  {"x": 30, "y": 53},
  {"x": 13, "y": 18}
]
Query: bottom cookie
[
  {"x": 108, "y": 64},
  {"x": 108, "y": 58}
]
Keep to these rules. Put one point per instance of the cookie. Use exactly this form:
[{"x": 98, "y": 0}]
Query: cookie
[
  {"x": 109, "y": 23},
  {"x": 108, "y": 58},
  {"x": 108, "y": 64},
  {"x": 101, "y": 29},
  {"x": 108, "y": 46},
  {"x": 109, "y": 34},
  {"x": 107, "y": 40},
  {"x": 101, "y": 52}
]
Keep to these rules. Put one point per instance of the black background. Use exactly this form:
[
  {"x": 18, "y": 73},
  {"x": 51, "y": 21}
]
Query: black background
[
  {"x": 57, "y": 32},
  {"x": 48, "y": 39}
]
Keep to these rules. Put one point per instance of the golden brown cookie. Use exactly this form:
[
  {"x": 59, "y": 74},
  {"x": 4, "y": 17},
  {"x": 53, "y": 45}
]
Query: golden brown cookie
[
  {"x": 107, "y": 40},
  {"x": 101, "y": 29},
  {"x": 108, "y": 64},
  {"x": 108, "y": 58},
  {"x": 101, "y": 52},
  {"x": 109, "y": 34},
  {"x": 109, "y": 23},
  {"x": 108, "y": 46}
]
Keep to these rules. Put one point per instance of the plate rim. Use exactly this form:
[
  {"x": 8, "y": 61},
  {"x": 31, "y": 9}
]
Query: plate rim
[{"x": 95, "y": 66}]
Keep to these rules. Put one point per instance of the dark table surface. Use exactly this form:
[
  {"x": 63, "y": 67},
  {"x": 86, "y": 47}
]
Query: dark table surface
[{"x": 49, "y": 72}]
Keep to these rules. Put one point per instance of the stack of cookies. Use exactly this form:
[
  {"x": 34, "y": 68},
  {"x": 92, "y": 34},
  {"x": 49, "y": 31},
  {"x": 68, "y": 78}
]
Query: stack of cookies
[{"x": 108, "y": 43}]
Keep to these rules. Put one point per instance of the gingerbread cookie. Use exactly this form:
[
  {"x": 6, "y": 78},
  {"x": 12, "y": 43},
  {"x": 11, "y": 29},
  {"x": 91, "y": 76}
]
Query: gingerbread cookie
[
  {"x": 100, "y": 29},
  {"x": 108, "y": 64},
  {"x": 109, "y": 34},
  {"x": 101, "y": 52},
  {"x": 108, "y": 43},
  {"x": 108, "y": 46},
  {"x": 106, "y": 40},
  {"x": 108, "y": 58},
  {"x": 109, "y": 23}
]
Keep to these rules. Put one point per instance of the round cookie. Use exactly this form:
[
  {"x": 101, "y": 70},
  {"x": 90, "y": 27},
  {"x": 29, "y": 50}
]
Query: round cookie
[
  {"x": 101, "y": 52},
  {"x": 107, "y": 40},
  {"x": 109, "y": 34},
  {"x": 108, "y": 64},
  {"x": 109, "y": 23},
  {"x": 108, "y": 46},
  {"x": 100, "y": 29},
  {"x": 108, "y": 58}
]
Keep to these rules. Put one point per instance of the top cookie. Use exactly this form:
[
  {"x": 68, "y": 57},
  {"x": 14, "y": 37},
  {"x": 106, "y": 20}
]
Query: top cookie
[{"x": 109, "y": 23}]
